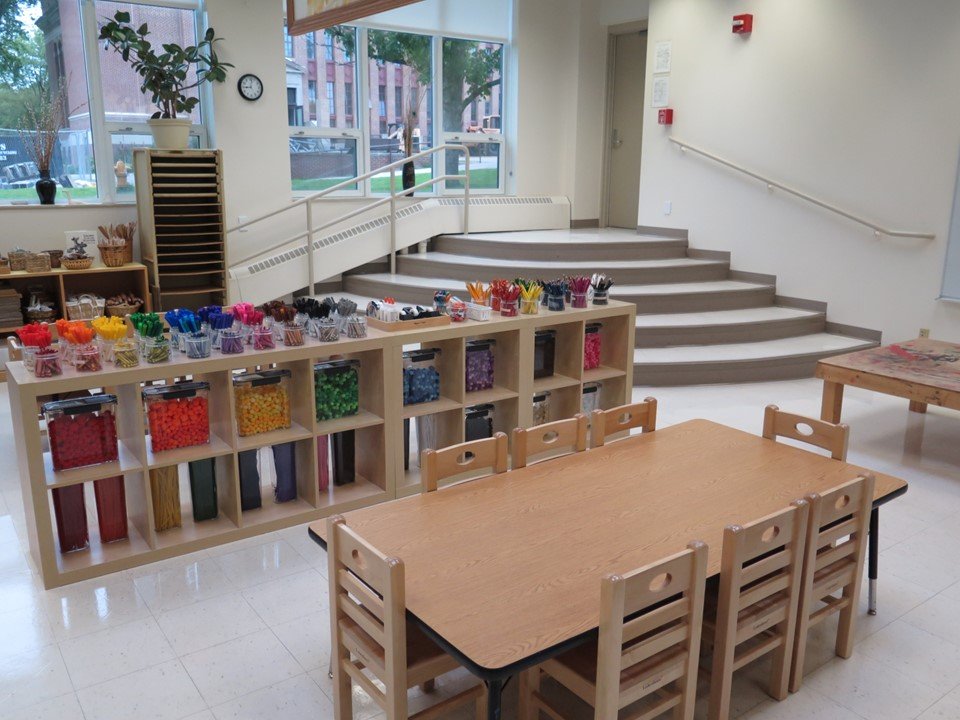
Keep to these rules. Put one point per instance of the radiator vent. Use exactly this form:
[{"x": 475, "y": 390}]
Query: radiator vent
[{"x": 496, "y": 200}]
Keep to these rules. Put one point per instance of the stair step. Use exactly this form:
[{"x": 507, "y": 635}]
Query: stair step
[
  {"x": 781, "y": 359},
  {"x": 695, "y": 296},
  {"x": 587, "y": 245},
  {"x": 726, "y": 326},
  {"x": 471, "y": 267}
]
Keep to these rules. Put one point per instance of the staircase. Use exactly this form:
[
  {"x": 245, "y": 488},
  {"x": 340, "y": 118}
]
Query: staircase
[{"x": 697, "y": 322}]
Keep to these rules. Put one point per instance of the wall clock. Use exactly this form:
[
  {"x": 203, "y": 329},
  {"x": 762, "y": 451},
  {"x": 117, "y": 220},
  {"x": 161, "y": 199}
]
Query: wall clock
[{"x": 250, "y": 87}]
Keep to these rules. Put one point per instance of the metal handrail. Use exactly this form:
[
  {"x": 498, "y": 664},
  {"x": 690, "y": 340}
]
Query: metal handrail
[
  {"x": 308, "y": 201},
  {"x": 771, "y": 184}
]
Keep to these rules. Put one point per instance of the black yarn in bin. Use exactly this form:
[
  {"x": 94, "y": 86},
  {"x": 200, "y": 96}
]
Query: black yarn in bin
[
  {"x": 249, "y": 480},
  {"x": 285, "y": 467},
  {"x": 478, "y": 424},
  {"x": 344, "y": 457},
  {"x": 203, "y": 489}
]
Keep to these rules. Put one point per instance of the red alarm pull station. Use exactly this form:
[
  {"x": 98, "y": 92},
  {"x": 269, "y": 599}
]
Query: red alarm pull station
[
  {"x": 665, "y": 116},
  {"x": 742, "y": 24}
]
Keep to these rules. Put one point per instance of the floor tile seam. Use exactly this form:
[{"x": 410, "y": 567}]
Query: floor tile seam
[{"x": 225, "y": 591}]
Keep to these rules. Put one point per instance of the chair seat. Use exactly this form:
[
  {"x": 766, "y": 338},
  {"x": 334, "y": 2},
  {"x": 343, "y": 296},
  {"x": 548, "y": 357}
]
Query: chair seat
[
  {"x": 425, "y": 659},
  {"x": 582, "y": 663}
]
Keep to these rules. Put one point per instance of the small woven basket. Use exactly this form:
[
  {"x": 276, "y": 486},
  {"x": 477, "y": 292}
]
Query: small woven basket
[
  {"x": 113, "y": 255},
  {"x": 37, "y": 263},
  {"x": 4, "y": 266},
  {"x": 40, "y": 315},
  {"x": 18, "y": 259},
  {"x": 122, "y": 310},
  {"x": 128, "y": 252},
  {"x": 77, "y": 264},
  {"x": 55, "y": 256}
]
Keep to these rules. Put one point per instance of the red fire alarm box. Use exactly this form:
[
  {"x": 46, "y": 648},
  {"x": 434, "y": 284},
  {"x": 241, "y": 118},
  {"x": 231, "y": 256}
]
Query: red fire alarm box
[
  {"x": 665, "y": 116},
  {"x": 743, "y": 24}
]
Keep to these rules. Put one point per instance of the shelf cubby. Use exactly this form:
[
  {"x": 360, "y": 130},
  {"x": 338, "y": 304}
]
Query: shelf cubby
[{"x": 377, "y": 426}]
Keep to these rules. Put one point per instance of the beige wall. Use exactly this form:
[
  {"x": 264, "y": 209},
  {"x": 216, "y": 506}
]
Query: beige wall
[{"x": 855, "y": 102}]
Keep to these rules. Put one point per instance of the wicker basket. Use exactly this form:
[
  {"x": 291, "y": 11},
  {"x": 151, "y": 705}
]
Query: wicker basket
[
  {"x": 40, "y": 315},
  {"x": 123, "y": 310},
  {"x": 84, "y": 307},
  {"x": 38, "y": 263},
  {"x": 18, "y": 259},
  {"x": 4, "y": 266},
  {"x": 128, "y": 252},
  {"x": 55, "y": 256},
  {"x": 77, "y": 264},
  {"x": 113, "y": 255}
]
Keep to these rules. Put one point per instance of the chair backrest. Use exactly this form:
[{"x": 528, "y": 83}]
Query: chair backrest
[
  {"x": 468, "y": 457},
  {"x": 570, "y": 435},
  {"x": 664, "y": 602},
  {"x": 368, "y": 616},
  {"x": 626, "y": 417},
  {"x": 838, "y": 528},
  {"x": 831, "y": 437},
  {"x": 761, "y": 573}
]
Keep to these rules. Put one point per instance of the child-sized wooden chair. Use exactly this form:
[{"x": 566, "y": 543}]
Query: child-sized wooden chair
[
  {"x": 605, "y": 423},
  {"x": 834, "y": 438},
  {"x": 570, "y": 435},
  {"x": 467, "y": 457}
]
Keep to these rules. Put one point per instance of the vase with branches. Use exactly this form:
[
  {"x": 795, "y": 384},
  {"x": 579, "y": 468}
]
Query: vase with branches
[
  {"x": 39, "y": 131},
  {"x": 170, "y": 74}
]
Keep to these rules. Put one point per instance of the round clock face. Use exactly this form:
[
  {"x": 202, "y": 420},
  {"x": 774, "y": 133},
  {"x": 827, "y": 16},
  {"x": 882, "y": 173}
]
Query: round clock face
[{"x": 250, "y": 87}]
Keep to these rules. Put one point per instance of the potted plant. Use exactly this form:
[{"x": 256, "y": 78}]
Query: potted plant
[
  {"x": 40, "y": 134},
  {"x": 166, "y": 76}
]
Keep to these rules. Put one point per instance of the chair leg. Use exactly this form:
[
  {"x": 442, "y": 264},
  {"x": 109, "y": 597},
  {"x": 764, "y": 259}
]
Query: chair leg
[
  {"x": 721, "y": 679},
  {"x": 799, "y": 650},
  {"x": 780, "y": 664},
  {"x": 529, "y": 684},
  {"x": 428, "y": 686},
  {"x": 343, "y": 690},
  {"x": 847, "y": 625}
]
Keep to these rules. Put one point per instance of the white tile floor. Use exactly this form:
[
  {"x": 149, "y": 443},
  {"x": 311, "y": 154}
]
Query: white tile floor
[{"x": 241, "y": 631}]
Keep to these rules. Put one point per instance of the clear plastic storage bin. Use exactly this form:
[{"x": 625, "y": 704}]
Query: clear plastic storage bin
[
  {"x": 544, "y": 350},
  {"x": 479, "y": 364},
  {"x": 541, "y": 408},
  {"x": 177, "y": 415},
  {"x": 591, "y": 346},
  {"x": 70, "y": 512},
  {"x": 590, "y": 400},
  {"x": 263, "y": 401},
  {"x": 82, "y": 431},
  {"x": 421, "y": 376},
  {"x": 336, "y": 389},
  {"x": 478, "y": 423}
]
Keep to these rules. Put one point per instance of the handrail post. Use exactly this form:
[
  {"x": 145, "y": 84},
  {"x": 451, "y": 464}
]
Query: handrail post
[
  {"x": 466, "y": 192},
  {"x": 393, "y": 221},
  {"x": 310, "y": 268}
]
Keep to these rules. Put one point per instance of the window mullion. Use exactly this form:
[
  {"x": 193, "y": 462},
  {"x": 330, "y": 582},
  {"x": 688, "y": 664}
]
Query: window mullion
[
  {"x": 439, "y": 159},
  {"x": 362, "y": 113},
  {"x": 99, "y": 134}
]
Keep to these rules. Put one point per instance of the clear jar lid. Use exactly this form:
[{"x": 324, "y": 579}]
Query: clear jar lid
[
  {"x": 78, "y": 406},
  {"x": 593, "y": 327},
  {"x": 477, "y": 345},
  {"x": 175, "y": 391},
  {"x": 422, "y": 354},
  {"x": 264, "y": 377}
]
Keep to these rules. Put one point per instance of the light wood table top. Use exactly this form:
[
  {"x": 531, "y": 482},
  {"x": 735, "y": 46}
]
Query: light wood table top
[{"x": 509, "y": 566}]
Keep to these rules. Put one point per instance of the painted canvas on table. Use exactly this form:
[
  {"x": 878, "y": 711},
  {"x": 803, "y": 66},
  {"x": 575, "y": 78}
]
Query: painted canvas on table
[{"x": 305, "y": 16}]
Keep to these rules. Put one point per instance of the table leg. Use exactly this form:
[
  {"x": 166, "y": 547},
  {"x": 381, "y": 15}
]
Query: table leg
[
  {"x": 873, "y": 560},
  {"x": 494, "y": 692},
  {"x": 918, "y": 407},
  {"x": 832, "y": 402}
]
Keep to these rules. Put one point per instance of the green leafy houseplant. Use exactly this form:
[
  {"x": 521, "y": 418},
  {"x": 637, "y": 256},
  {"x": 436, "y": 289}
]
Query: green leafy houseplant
[{"x": 165, "y": 70}]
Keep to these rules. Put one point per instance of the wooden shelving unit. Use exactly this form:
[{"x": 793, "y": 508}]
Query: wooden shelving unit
[
  {"x": 182, "y": 227},
  {"x": 379, "y": 424}
]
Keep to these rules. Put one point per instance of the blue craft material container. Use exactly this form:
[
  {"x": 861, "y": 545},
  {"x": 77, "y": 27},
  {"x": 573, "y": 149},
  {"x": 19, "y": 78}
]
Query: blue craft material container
[{"x": 421, "y": 377}]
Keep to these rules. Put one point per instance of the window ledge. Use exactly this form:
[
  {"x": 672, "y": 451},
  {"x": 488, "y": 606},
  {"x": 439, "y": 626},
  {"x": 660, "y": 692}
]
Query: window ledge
[{"x": 64, "y": 206}]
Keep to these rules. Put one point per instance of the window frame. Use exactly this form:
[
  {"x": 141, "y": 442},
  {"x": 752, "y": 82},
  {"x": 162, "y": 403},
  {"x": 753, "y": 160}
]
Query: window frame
[{"x": 102, "y": 130}]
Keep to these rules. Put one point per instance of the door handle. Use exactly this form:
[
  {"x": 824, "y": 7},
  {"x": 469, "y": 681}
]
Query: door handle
[{"x": 615, "y": 140}]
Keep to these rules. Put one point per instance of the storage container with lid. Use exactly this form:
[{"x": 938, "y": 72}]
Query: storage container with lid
[
  {"x": 82, "y": 431},
  {"x": 336, "y": 389},
  {"x": 177, "y": 415},
  {"x": 262, "y": 401},
  {"x": 590, "y": 399},
  {"x": 591, "y": 346},
  {"x": 541, "y": 407},
  {"x": 544, "y": 350},
  {"x": 111, "y": 508},
  {"x": 70, "y": 513},
  {"x": 480, "y": 364},
  {"x": 203, "y": 489},
  {"x": 478, "y": 422},
  {"x": 155, "y": 349},
  {"x": 421, "y": 376}
]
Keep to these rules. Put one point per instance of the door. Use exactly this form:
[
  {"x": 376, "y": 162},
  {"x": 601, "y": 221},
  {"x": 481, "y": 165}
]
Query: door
[{"x": 626, "y": 129}]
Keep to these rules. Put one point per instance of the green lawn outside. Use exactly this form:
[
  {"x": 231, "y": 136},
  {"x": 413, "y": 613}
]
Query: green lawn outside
[
  {"x": 31, "y": 194},
  {"x": 485, "y": 178}
]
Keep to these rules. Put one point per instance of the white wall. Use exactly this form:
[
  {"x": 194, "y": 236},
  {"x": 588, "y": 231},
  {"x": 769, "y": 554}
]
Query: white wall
[
  {"x": 490, "y": 18},
  {"x": 855, "y": 102},
  {"x": 614, "y": 12}
]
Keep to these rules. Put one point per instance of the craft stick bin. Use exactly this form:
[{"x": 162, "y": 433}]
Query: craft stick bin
[{"x": 218, "y": 462}]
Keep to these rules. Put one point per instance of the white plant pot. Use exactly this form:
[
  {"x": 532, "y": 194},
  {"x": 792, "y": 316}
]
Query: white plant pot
[{"x": 170, "y": 133}]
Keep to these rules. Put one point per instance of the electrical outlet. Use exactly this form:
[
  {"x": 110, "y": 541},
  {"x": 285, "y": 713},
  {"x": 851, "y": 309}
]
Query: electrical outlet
[
  {"x": 241, "y": 219},
  {"x": 924, "y": 332},
  {"x": 667, "y": 207}
]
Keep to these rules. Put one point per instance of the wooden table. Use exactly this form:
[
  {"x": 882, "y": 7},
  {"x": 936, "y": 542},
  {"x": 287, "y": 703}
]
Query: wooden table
[
  {"x": 504, "y": 572},
  {"x": 923, "y": 371}
]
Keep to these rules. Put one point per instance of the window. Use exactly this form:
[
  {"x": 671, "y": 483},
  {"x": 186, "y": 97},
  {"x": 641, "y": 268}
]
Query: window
[
  {"x": 398, "y": 103},
  {"x": 311, "y": 46},
  {"x": 55, "y": 41},
  {"x": 325, "y": 152},
  {"x": 287, "y": 43},
  {"x": 383, "y": 101}
]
